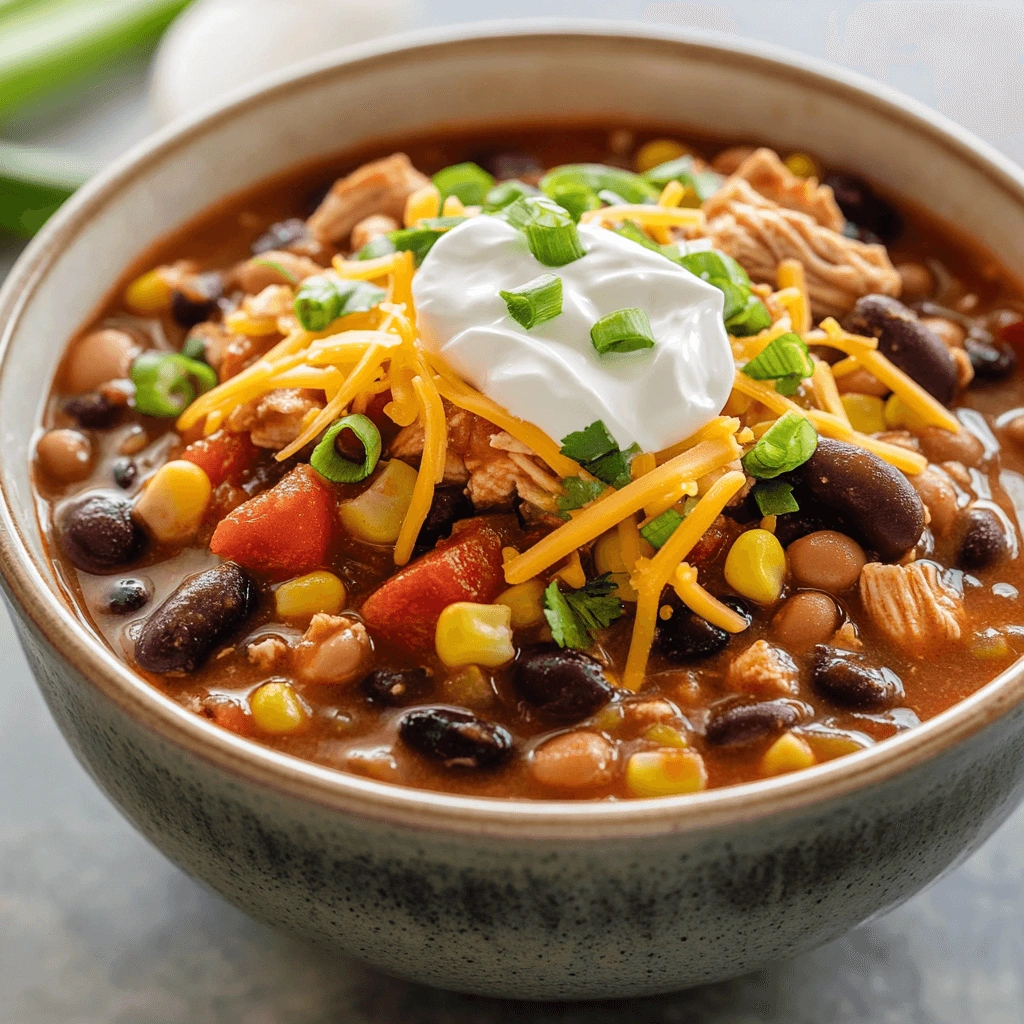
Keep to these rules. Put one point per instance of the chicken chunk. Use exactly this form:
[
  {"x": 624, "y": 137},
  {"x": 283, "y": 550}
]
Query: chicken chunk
[
  {"x": 377, "y": 225},
  {"x": 763, "y": 669},
  {"x": 770, "y": 177},
  {"x": 275, "y": 419},
  {"x": 334, "y": 650},
  {"x": 277, "y": 267},
  {"x": 268, "y": 653}
]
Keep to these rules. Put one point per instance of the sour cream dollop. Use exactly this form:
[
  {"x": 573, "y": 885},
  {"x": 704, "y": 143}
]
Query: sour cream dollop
[{"x": 551, "y": 375}]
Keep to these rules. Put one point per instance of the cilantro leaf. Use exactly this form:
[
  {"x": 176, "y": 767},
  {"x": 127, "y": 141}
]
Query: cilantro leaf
[
  {"x": 578, "y": 492},
  {"x": 576, "y": 615},
  {"x": 566, "y": 628},
  {"x": 614, "y": 468},
  {"x": 589, "y": 443}
]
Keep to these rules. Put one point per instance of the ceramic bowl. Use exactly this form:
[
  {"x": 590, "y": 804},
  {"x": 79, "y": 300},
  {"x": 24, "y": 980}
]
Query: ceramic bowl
[{"x": 544, "y": 900}]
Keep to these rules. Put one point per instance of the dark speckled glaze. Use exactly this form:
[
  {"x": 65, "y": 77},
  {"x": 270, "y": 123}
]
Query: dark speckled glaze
[{"x": 542, "y": 900}]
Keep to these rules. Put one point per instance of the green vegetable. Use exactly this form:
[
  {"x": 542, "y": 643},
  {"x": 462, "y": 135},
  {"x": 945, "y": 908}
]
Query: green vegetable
[
  {"x": 775, "y": 497},
  {"x": 625, "y": 330},
  {"x": 704, "y": 183},
  {"x": 418, "y": 241},
  {"x": 725, "y": 274},
  {"x": 631, "y": 230},
  {"x": 607, "y": 196},
  {"x": 34, "y": 183},
  {"x": 578, "y": 493},
  {"x": 589, "y": 443},
  {"x": 442, "y": 223},
  {"x": 576, "y": 186},
  {"x": 577, "y": 200},
  {"x": 467, "y": 181},
  {"x": 321, "y": 300},
  {"x": 505, "y": 193},
  {"x": 786, "y": 360},
  {"x": 194, "y": 348},
  {"x": 788, "y": 443},
  {"x": 658, "y": 530},
  {"x": 535, "y": 302},
  {"x": 752, "y": 318},
  {"x": 577, "y": 615},
  {"x": 379, "y": 246},
  {"x": 614, "y": 468},
  {"x": 278, "y": 268},
  {"x": 332, "y": 465},
  {"x": 550, "y": 232},
  {"x": 166, "y": 383}
]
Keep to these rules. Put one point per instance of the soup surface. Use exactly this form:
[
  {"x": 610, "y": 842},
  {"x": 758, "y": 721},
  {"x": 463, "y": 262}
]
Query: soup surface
[{"x": 607, "y": 463}]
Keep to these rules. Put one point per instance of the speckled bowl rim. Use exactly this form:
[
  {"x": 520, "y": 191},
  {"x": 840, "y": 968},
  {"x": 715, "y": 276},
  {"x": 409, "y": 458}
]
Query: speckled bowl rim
[{"x": 39, "y": 600}]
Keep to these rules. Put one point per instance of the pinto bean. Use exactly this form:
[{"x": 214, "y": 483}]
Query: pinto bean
[
  {"x": 103, "y": 355},
  {"x": 939, "y": 497},
  {"x": 574, "y": 760},
  {"x": 64, "y": 455},
  {"x": 456, "y": 738},
  {"x": 826, "y": 560},
  {"x": 949, "y": 332},
  {"x": 847, "y": 678},
  {"x": 906, "y": 342},
  {"x": 806, "y": 619},
  {"x": 98, "y": 533},
  {"x": 202, "y": 613},
  {"x": 735, "y": 724},
  {"x": 874, "y": 501},
  {"x": 982, "y": 541},
  {"x": 916, "y": 279},
  {"x": 563, "y": 683},
  {"x": 941, "y": 445}
]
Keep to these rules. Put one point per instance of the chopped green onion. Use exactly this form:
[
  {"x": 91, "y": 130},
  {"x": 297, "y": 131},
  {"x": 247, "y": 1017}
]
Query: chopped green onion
[
  {"x": 754, "y": 317},
  {"x": 442, "y": 223},
  {"x": 578, "y": 493},
  {"x": 658, "y": 530},
  {"x": 376, "y": 247},
  {"x": 583, "y": 179},
  {"x": 785, "y": 360},
  {"x": 625, "y": 330},
  {"x": 321, "y": 300},
  {"x": 418, "y": 241},
  {"x": 274, "y": 265},
  {"x": 332, "y": 465},
  {"x": 194, "y": 348},
  {"x": 704, "y": 183},
  {"x": 535, "y": 302},
  {"x": 550, "y": 232},
  {"x": 468, "y": 181},
  {"x": 725, "y": 274},
  {"x": 507, "y": 192},
  {"x": 577, "y": 200},
  {"x": 614, "y": 468},
  {"x": 167, "y": 383},
  {"x": 589, "y": 443},
  {"x": 788, "y": 443},
  {"x": 606, "y": 195},
  {"x": 775, "y": 497},
  {"x": 631, "y": 230}
]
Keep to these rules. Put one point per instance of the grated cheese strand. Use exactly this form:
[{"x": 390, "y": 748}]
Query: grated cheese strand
[
  {"x": 706, "y": 605},
  {"x": 646, "y": 216},
  {"x": 365, "y": 270},
  {"x": 720, "y": 426},
  {"x": 826, "y": 392},
  {"x": 791, "y": 275}
]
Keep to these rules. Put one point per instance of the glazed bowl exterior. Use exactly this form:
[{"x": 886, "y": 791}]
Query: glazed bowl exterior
[{"x": 544, "y": 900}]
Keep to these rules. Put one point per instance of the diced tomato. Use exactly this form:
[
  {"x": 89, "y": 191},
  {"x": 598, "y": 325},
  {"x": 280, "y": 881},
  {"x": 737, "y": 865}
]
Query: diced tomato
[
  {"x": 284, "y": 530},
  {"x": 406, "y": 608},
  {"x": 228, "y": 714},
  {"x": 221, "y": 455}
]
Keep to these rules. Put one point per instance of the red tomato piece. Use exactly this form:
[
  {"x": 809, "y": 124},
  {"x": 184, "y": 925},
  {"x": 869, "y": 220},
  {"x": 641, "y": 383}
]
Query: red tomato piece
[
  {"x": 228, "y": 714},
  {"x": 405, "y": 609},
  {"x": 221, "y": 455},
  {"x": 284, "y": 530}
]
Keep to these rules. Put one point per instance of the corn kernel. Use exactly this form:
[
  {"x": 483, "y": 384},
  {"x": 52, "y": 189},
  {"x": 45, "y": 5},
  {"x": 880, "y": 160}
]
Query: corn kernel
[
  {"x": 866, "y": 413},
  {"x": 527, "y": 603},
  {"x": 306, "y": 596},
  {"x": 572, "y": 572},
  {"x": 829, "y": 745},
  {"x": 453, "y": 207},
  {"x": 899, "y": 415},
  {"x": 658, "y": 151},
  {"x": 665, "y": 736},
  {"x": 802, "y": 165},
  {"x": 756, "y": 566},
  {"x": 668, "y": 772},
  {"x": 990, "y": 645},
  {"x": 174, "y": 501},
  {"x": 788, "y": 753},
  {"x": 609, "y": 718},
  {"x": 377, "y": 514},
  {"x": 424, "y": 202},
  {"x": 276, "y": 708},
  {"x": 149, "y": 293},
  {"x": 469, "y": 686},
  {"x": 475, "y": 634}
]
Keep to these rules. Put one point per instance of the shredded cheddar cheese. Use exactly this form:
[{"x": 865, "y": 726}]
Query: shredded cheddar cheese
[
  {"x": 647, "y": 216},
  {"x": 701, "y": 603}
]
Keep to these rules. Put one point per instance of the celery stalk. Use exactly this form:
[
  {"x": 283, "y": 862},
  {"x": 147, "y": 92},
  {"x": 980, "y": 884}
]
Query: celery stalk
[{"x": 33, "y": 183}]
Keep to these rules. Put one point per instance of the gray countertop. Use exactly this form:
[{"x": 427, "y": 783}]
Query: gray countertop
[{"x": 97, "y": 928}]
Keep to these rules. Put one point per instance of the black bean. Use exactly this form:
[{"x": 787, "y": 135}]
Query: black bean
[
  {"x": 685, "y": 636},
  {"x": 992, "y": 360},
  {"x": 98, "y": 533},
  {"x": 906, "y": 342},
  {"x": 93, "y": 411},
  {"x": 203, "y": 612},
  {"x": 396, "y": 687},
  {"x": 983, "y": 539},
  {"x": 734, "y": 724},
  {"x": 874, "y": 501},
  {"x": 456, "y": 738},
  {"x": 281, "y": 235},
  {"x": 565, "y": 684},
  {"x": 847, "y": 678},
  {"x": 124, "y": 472},
  {"x": 449, "y": 505},
  {"x": 196, "y": 299},
  {"x": 861, "y": 205},
  {"x": 126, "y": 596}
]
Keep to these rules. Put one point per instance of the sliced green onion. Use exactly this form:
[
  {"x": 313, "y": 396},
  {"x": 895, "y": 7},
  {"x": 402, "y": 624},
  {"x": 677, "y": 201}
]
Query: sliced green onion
[
  {"x": 507, "y": 192},
  {"x": 442, "y": 223},
  {"x": 468, "y": 181},
  {"x": 614, "y": 468},
  {"x": 725, "y": 274},
  {"x": 775, "y": 497},
  {"x": 194, "y": 348},
  {"x": 580, "y": 179},
  {"x": 754, "y": 317},
  {"x": 550, "y": 232},
  {"x": 625, "y": 330},
  {"x": 577, "y": 200},
  {"x": 332, "y": 465},
  {"x": 704, "y": 183},
  {"x": 274, "y": 265},
  {"x": 658, "y": 530},
  {"x": 606, "y": 195},
  {"x": 167, "y": 383},
  {"x": 788, "y": 443},
  {"x": 321, "y": 300},
  {"x": 785, "y": 360},
  {"x": 376, "y": 247},
  {"x": 418, "y": 241},
  {"x": 535, "y": 302},
  {"x": 578, "y": 493},
  {"x": 631, "y": 230},
  {"x": 589, "y": 443}
]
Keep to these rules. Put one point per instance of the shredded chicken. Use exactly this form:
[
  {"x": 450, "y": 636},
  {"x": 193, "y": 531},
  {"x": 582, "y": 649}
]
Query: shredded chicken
[
  {"x": 334, "y": 649},
  {"x": 375, "y": 226},
  {"x": 408, "y": 445},
  {"x": 267, "y": 653},
  {"x": 275, "y": 419},
  {"x": 760, "y": 234},
  {"x": 274, "y": 267},
  {"x": 775, "y": 181},
  {"x": 762, "y": 668},
  {"x": 381, "y": 186},
  {"x": 215, "y": 339},
  {"x": 912, "y": 605}
]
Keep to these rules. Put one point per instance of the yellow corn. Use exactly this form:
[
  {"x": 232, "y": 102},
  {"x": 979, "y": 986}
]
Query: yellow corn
[
  {"x": 475, "y": 634},
  {"x": 756, "y": 566},
  {"x": 658, "y": 151},
  {"x": 470, "y": 687},
  {"x": 788, "y": 753},
  {"x": 306, "y": 596},
  {"x": 866, "y": 413},
  {"x": 990, "y": 646},
  {"x": 572, "y": 572},
  {"x": 174, "y": 501},
  {"x": 149, "y": 293},
  {"x": 667, "y": 772},
  {"x": 609, "y": 718},
  {"x": 251, "y": 326},
  {"x": 830, "y": 745},
  {"x": 276, "y": 708},
  {"x": 424, "y": 202},
  {"x": 453, "y": 207},
  {"x": 527, "y": 603},
  {"x": 899, "y": 415},
  {"x": 802, "y": 165},
  {"x": 665, "y": 736},
  {"x": 377, "y": 514}
]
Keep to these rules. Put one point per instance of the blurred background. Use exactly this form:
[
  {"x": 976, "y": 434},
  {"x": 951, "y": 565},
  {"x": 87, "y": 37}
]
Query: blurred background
[{"x": 95, "y": 926}]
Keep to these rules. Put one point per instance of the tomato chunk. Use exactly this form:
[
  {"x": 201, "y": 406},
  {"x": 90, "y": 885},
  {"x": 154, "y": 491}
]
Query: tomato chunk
[
  {"x": 284, "y": 530},
  {"x": 221, "y": 455},
  {"x": 406, "y": 608}
]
